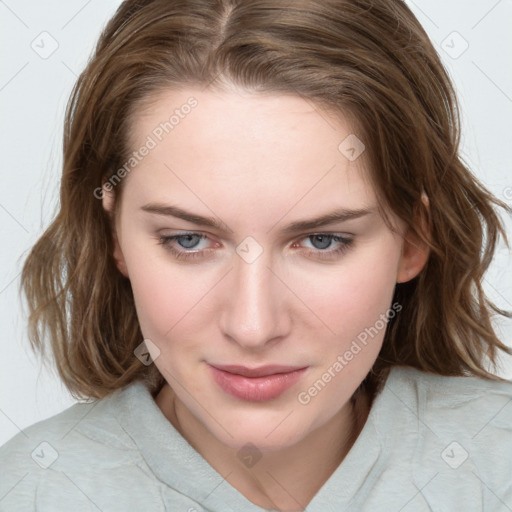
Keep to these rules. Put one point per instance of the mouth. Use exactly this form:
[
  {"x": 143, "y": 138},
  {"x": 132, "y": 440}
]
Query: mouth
[{"x": 256, "y": 384}]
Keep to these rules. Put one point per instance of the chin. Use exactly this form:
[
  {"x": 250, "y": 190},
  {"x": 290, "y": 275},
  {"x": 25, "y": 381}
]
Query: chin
[{"x": 267, "y": 431}]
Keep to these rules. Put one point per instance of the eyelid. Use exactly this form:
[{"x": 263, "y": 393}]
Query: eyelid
[
  {"x": 296, "y": 238},
  {"x": 344, "y": 241}
]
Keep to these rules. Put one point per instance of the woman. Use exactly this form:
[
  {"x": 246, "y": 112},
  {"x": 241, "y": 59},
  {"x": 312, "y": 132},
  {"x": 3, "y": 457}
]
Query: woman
[{"x": 266, "y": 272}]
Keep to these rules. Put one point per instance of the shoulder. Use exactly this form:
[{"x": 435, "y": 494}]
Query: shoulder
[
  {"x": 91, "y": 425},
  {"x": 49, "y": 457},
  {"x": 445, "y": 401},
  {"x": 453, "y": 433}
]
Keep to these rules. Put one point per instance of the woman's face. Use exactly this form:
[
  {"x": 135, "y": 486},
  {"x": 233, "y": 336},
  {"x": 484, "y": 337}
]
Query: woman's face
[{"x": 252, "y": 284}]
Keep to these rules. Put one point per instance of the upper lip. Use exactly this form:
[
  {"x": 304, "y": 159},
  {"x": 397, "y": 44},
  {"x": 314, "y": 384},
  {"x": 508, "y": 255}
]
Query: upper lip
[{"x": 260, "y": 371}]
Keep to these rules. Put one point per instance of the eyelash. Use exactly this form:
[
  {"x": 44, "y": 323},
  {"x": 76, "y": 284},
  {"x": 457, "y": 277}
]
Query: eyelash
[{"x": 187, "y": 256}]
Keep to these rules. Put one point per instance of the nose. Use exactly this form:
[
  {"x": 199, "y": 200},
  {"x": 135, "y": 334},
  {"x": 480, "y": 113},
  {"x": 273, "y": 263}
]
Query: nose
[{"x": 254, "y": 312}]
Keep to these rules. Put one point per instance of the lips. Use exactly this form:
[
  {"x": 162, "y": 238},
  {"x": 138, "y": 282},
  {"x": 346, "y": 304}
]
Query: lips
[
  {"x": 256, "y": 384},
  {"x": 261, "y": 371}
]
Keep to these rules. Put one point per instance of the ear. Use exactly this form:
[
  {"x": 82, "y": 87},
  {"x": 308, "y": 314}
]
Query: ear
[
  {"x": 108, "y": 202},
  {"x": 415, "y": 251}
]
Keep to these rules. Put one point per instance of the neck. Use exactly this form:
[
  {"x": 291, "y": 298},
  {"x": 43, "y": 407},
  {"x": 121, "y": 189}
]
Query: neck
[{"x": 286, "y": 479}]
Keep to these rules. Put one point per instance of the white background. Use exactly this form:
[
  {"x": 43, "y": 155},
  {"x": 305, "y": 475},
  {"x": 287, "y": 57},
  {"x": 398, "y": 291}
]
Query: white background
[{"x": 33, "y": 94}]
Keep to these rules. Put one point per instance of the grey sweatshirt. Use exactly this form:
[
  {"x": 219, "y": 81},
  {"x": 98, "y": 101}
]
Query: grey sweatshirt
[{"x": 430, "y": 443}]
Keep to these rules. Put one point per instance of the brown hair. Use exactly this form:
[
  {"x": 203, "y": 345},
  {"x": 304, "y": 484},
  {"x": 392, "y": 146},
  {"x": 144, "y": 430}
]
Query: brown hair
[{"x": 368, "y": 58}]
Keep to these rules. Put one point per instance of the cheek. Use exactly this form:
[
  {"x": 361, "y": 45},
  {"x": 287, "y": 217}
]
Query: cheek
[
  {"x": 351, "y": 297},
  {"x": 166, "y": 300},
  {"x": 163, "y": 293},
  {"x": 354, "y": 302}
]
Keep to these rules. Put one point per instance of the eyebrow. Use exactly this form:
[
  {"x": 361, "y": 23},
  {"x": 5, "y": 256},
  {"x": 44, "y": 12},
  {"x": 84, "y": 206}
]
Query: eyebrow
[{"x": 339, "y": 215}]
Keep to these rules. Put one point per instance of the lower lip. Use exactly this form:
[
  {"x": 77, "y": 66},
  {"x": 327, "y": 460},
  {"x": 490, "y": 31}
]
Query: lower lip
[{"x": 256, "y": 389}]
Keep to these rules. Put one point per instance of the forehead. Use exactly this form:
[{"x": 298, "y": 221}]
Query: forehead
[
  {"x": 251, "y": 149},
  {"x": 229, "y": 116}
]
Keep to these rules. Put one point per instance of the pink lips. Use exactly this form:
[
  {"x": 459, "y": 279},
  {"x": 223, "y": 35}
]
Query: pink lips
[{"x": 256, "y": 384}]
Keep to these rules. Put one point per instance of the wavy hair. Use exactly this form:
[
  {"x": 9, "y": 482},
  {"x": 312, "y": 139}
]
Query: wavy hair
[{"x": 369, "y": 59}]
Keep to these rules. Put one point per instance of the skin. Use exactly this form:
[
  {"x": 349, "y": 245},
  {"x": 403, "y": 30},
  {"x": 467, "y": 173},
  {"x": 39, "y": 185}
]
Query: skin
[{"x": 258, "y": 162}]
